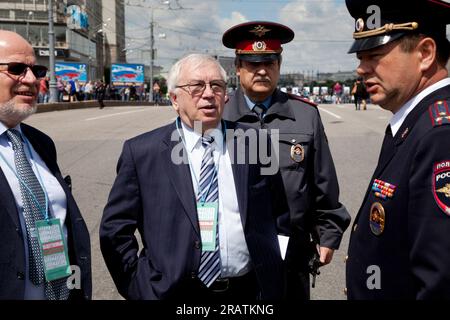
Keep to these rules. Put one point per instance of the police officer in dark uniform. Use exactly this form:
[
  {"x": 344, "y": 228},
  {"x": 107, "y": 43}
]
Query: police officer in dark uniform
[
  {"x": 400, "y": 242},
  {"x": 305, "y": 161}
]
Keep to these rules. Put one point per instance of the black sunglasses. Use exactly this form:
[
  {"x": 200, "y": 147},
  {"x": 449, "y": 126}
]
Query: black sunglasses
[{"x": 19, "y": 68}]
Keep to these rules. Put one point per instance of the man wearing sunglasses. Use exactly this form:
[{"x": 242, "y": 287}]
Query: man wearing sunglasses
[
  {"x": 205, "y": 217},
  {"x": 44, "y": 236}
]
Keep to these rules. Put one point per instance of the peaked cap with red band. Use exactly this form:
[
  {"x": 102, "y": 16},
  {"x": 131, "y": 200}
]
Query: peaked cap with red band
[{"x": 257, "y": 41}]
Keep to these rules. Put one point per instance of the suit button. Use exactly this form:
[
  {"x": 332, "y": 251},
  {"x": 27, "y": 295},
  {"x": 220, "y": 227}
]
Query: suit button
[
  {"x": 346, "y": 258},
  {"x": 197, "y": 244},
  {"x": 193, "y": 274},
  {"x": 20, "y": 275},
  {"x": 17, "y": 230},
  {"x": 354, "y": 227},
  {"x": 345, "y": 291}
]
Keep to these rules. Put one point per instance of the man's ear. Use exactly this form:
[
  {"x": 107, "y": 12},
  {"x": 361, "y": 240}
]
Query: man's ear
[
  {"x": 226, "y": 98},
  {"x": 426, "y": 50},
  {"x": 173, "y": 99}
]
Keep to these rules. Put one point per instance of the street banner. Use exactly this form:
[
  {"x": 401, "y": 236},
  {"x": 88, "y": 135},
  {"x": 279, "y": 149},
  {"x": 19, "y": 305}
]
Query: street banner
[
  {"x": 124, "y": 74},
  {"x": 71, "y": 71}
]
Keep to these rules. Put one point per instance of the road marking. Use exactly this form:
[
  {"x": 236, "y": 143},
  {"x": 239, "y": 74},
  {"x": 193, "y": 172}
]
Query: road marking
[
  {"x": 114, "y": 114},
  {"x": 331, "y": 113}
]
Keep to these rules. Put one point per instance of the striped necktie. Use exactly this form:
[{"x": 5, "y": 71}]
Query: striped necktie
[
  {"x": 208, "y": 189},
  {"x": 29, "y": 189}
]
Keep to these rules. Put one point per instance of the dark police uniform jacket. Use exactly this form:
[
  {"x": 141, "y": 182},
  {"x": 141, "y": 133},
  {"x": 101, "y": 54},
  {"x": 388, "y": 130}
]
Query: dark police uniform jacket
[
  {"x": 405, "y": 254},
  {"x": 311, "y": 185},
  {"x": 12, "y": 252}
]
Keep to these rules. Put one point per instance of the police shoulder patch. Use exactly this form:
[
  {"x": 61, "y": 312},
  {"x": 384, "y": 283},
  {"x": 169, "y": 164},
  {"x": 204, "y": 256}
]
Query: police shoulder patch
[
  {"x": 441, "y": 185},
  {"x": 296, "y": 97},
  {"x": 439, "y": 113}
]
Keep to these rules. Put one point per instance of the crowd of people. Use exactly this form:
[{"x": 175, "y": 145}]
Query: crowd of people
[{"x": 74, "y": 90}]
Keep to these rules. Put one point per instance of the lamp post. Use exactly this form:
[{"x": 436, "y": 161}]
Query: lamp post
[
  {"x": 51, "y": 49},
  {"x": 30, "y": 13}
]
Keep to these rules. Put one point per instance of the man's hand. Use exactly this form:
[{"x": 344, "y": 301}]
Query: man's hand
[{"x": 326, "y": 254}]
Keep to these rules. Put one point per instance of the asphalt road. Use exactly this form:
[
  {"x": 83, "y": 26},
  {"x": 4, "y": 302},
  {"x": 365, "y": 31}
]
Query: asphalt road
[{"x": 89, "y": 142}]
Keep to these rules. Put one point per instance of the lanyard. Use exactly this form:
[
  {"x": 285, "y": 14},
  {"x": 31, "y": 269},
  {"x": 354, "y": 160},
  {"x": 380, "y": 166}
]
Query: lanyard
[
  {"x": 33, "y": 196},
  {"x": 216, "y": 167}
]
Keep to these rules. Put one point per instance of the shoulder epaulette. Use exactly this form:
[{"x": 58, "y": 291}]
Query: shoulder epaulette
[
  {"x": 439, "y": 113},
  {"x": 296, "y": 97}
]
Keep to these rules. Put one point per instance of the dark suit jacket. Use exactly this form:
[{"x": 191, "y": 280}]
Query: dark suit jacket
[
  {"x": 12, "y": 252},
  {"x": 155, "y": 196},
  {"x": 410, "y": 258}
]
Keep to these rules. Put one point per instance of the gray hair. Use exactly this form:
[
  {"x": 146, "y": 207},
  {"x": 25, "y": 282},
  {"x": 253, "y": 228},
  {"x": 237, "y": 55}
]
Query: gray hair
[{"x": 194, "y": 60}]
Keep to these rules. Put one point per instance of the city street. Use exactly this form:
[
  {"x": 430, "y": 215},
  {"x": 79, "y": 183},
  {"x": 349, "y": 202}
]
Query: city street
[{"x": 89, "y": 142}]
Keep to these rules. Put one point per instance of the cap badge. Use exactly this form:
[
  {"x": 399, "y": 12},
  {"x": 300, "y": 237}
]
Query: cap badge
[
  {"x": 259, "y": 46},
  {"x": 359, "y": 25},
  {"x": 297, "y": 153},
  {"x": 377, "y": 219},
  {"x": 260, "y": 30}
]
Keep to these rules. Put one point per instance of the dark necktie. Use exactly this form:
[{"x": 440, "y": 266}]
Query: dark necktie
[
  {"x": 33, "y": 200},
  {"x": 388, "y": 146},
  {"x": 259, "y": 109},
  {"x": 210, "y": 266}
]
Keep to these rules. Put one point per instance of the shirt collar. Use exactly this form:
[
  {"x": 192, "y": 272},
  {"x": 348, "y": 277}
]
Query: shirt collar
[
  {"x": 192, "y": 139},
  {"x": 4, "y": 128},
  {"x": 251, "y": 104},
  {"x": 399, "y": 117}
]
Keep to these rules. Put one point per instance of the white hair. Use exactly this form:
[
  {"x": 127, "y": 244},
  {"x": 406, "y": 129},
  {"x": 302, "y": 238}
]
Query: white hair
[{"x": 194, "y": 60}]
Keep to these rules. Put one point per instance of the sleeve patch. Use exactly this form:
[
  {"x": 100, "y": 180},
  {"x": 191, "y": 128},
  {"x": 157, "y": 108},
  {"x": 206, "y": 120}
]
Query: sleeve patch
[
  {"x": 439, "y": 113},
  {"x": 441, "y": 185}
]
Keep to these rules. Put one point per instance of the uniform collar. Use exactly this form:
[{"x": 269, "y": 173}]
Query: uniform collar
[
  {"x": 278, "y": 108},
  {"x": 399, "y": 117},
  {"x": 251, "y": 104}
]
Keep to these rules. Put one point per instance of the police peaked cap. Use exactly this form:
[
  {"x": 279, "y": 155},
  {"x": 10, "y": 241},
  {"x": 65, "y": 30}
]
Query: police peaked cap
[
  {"x": 257, "y": 41},
  {"x": 378, "y": 22}
]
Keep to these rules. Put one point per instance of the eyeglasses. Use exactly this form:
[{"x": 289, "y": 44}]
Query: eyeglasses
[
  {"x": 198, "y": 87},
  {"x": 19, "y": 68}
]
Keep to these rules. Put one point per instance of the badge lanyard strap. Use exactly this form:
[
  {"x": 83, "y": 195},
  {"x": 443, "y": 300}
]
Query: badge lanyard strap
[
  {"x": 216, "y": 167},
  {"x": 33, "y": 197}
]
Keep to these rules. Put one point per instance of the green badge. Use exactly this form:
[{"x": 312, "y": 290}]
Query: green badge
[
  {"x": 54, "y": 249},
  {"x": 207, "y": 219}
]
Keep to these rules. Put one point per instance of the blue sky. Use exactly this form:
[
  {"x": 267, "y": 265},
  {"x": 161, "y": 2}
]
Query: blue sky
[{"x": 323, "y": 30}]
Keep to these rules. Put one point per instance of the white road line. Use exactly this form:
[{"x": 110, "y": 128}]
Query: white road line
[
  {"x": 330, "y": 113},
  {"x": 114, "y": 114}
]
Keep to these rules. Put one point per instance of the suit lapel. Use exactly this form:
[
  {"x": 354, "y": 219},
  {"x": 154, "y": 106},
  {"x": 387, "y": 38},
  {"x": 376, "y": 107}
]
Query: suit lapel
[
  {"x": 7, "y": 199},
  {"x": 180, "y": 177},
  {"x": 240, "y": 170}
]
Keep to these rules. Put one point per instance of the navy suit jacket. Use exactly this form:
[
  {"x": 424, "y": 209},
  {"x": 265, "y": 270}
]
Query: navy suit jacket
[
  {"x": 156, "y": 197},
  {"x": 12, "y": 251}
]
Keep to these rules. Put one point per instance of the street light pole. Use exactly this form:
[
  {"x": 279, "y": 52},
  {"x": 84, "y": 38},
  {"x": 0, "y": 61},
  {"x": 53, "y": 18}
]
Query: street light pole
[
  {"x": 51, "y": 50},
  {"x": 150, "y": 92}
]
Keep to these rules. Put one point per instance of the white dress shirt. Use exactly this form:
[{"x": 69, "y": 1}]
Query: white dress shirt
[
  {"x": 57, "y": 202},
  {"x": 234, "y": 255},
  {"x": 399, "y": 117}
]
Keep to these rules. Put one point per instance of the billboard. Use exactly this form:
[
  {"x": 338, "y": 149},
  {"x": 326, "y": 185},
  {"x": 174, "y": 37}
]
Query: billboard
[
  {"x": 123, "y": 74},
  {"x": 71, "y": 71}
]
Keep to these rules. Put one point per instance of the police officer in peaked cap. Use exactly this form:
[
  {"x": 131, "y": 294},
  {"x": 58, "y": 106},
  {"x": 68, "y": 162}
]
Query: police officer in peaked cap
[
  {"x": 399, "y": 245},
  {"x": 305, "y": 160}
]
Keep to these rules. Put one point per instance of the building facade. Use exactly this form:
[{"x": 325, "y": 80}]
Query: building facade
[{"x": 80, "y": 36}]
